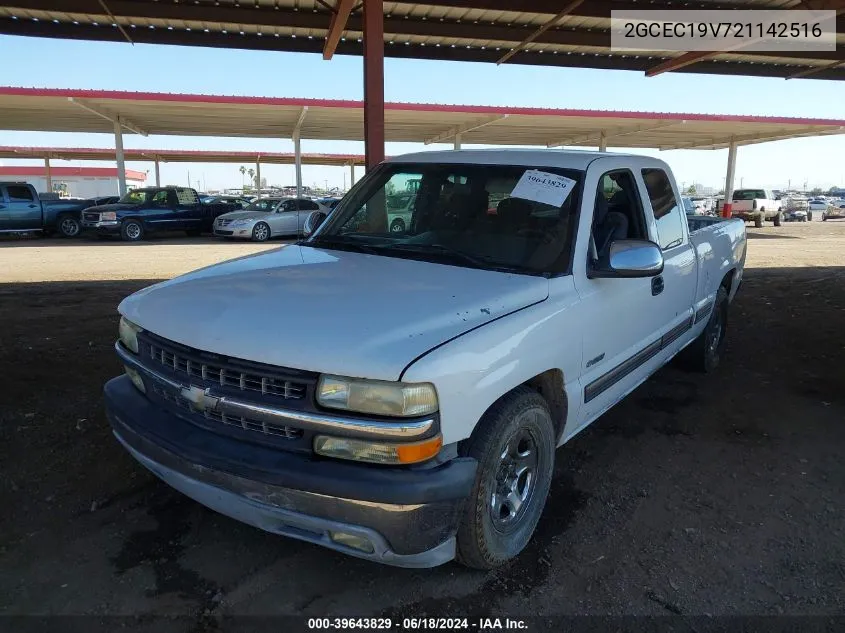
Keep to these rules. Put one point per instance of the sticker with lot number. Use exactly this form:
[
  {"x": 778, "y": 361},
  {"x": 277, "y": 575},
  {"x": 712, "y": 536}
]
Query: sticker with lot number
[{"x": 541, "y": 186}]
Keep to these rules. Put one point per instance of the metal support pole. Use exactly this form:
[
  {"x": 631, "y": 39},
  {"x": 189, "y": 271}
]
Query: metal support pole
[
  {"x": 373, "y": 82},
  {"x": 258, "y": 176},
  {"x": 297, "y": 159},
  {"x": 158, "y": 174},
  {"x": 118, "y": 152},
  {"x": 603, "y": 141},
  {"x": 457, "y": 141},
  {"x": 729, "y": 181},
  {"x": 351, "y": 174},
  {"x": 49, "y": 175}
]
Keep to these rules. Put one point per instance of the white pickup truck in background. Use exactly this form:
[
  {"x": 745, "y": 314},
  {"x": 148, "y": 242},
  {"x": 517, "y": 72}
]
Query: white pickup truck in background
[
  {"x": 399, "y": 395},
  {"x": 756, "y": 205}
]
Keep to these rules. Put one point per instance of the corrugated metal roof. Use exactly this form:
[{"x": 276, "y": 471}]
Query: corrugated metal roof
[
  {"x": 465, "y": 30},
  {"x": 223, "y": 115}
]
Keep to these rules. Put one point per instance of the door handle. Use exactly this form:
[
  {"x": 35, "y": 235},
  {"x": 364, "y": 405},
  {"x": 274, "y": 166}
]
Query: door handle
[
  {"x": 32, "y": 206},
  {"x": 657, "y": 285}
]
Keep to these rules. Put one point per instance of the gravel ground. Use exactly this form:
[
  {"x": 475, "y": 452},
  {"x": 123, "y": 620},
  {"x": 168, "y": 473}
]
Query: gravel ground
[{"x": 697, "y": 495}]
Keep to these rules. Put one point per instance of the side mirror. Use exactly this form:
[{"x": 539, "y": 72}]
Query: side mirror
[
  {"x": 313, "y": 222},
  {"x": 628, "y": 258}
]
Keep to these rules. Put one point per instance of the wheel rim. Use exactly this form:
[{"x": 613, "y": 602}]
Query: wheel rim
[
  {"x": 261, "y": 232},
  {"x": 69, "y": 227},
  {"x": 397, "y": 227},
  {"x": 516, "y": 479},
  {"x": 133, "y": 231},
  {"x": 714, "y": 336}
]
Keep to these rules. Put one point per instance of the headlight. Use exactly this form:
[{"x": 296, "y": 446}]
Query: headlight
[
  {"x": 378, "y": 397},
  {"x": 108, "y": 216},
  {"x": 377, "y": 452},
  {"x": 128, "y": 334}
]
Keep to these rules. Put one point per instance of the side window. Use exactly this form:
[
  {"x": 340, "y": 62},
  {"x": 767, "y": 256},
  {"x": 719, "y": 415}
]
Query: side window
[
  {"x": 17, "y": 193},
  {"x": 618, "y": 213},
  {"x": 308, "y": 205},
  {"x": 667, "y": 211},
  {"x": 160, "y": 199},
  {"x": 288, "y": 205}
]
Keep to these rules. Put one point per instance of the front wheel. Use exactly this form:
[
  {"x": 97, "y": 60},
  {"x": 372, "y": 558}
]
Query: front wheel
[
  {"x": 810, "y": 216},
  {"x": 261, "y": 232},
  {"x": 514, "y": 444},
  {"x": 68, "y": 226},
  {"x": 778, "y": 218},
  {"x": 758, "y": 221},
  {"x": 397, "y": 226},
  {"x": 131, "y": 231}
]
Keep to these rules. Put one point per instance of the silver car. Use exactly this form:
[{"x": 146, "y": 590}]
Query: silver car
[{"x": 266, "y": 218}]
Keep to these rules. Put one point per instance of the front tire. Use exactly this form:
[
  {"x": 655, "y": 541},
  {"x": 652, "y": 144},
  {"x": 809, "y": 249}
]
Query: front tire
[
  {"x": 68, "y": 226},
  {"x": 397, "y": 226},
  {"x": 261, "y": 232},
  {"x": 809, "y": 216},
  {"x": 758, "y": 221},
  {"x": 514, "y": 444},
  {"x": 778, "y": 218},
  {"x": 131, "y": 231},
  {"x": 705, "y": 352}
]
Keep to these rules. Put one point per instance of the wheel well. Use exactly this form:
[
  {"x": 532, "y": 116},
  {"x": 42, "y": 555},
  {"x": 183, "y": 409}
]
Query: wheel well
[
  {"x": 728, "y": 280},
  {"x": 549, "y": 384}
]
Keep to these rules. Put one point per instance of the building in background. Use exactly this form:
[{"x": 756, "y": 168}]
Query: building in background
[{"x": 77, "y": 182}]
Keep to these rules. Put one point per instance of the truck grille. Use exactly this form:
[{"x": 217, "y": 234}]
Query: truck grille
[
  {"x": 222, "y": 375},
  {"x": 247, "y": 424},
  {"x": 90, "y": 217}
]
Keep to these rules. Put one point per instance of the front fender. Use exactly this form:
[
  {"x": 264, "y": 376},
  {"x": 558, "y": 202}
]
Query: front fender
[{"x": 477, "y": 368}]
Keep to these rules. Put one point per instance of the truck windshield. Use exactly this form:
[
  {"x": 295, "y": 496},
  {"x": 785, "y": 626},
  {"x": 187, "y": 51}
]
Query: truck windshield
[
  {"x": 749, "y": 194},
  {"x": 496, "y": 217},
  {"x": 136, "y": 196}
]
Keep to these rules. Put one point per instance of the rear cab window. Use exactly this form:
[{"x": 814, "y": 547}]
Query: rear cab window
[{"x": 667, "y": 211}]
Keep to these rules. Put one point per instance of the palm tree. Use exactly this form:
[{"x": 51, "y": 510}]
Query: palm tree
[
  {"x": 243, "y": 171},
  {"x": 251, "y": 173}
]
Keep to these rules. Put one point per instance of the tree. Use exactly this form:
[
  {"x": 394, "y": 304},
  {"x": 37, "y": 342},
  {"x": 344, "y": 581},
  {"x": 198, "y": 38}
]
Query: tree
[
  {"x": 691, "y": 190},
  {"x": 251, "y": 173},
  {"x": 243, "y": 171},
  {"x": 816, "y": 191}
]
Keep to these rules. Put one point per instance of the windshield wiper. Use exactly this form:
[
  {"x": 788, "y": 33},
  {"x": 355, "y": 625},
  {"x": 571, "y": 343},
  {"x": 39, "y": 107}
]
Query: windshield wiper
[
  {"x": 472, "y": 260},
  {"x": 337, "y": 241}
]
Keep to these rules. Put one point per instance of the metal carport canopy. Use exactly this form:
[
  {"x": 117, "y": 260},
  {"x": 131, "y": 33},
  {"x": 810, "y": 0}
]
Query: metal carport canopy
[
  {"x": 63, "y": 110},
  {"x": 179, "y": 156}
]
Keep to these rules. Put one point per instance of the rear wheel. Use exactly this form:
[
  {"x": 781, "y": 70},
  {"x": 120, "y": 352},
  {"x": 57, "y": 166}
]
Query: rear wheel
[
  {"x": 758, "y": 221},
  {"x": 778, "y": 218},
  {"x": 131, "y": 231},
  {"x": 705, "y": 352},
  {"x": 810, "y": 216},
  {"x": 824, "y": 218},
  {"x": 68, "y": 226},
  {"x": 514, "y": 444},
  {"x": 261, "y": 232}
]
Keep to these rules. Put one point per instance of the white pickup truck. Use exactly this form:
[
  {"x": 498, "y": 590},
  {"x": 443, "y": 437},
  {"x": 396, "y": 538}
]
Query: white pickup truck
[
  {"x": 756, "y": 205},
  {"x": 399, "y": 395}
]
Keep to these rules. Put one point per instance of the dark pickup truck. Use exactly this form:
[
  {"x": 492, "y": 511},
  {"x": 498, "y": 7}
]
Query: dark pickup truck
[
  {"x": 22, "y": 211},
  {"x": 151, "y": 209}
]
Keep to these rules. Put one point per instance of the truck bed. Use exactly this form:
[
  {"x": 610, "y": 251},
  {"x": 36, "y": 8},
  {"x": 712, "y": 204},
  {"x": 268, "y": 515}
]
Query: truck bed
[{"x": 698, "y": 222}]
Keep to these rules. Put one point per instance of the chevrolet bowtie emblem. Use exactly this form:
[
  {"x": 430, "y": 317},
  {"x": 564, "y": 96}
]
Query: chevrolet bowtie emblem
[{"x": 199, "y": 398}]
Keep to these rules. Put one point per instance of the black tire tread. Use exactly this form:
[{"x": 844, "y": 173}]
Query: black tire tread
[
  {"x": 472, "y": 551},
  {"x": 692, "y": 358}
]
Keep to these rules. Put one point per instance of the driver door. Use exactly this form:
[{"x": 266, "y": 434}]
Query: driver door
[{"x": 284, "y": 218}]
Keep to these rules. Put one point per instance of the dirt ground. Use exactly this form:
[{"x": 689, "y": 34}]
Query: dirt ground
[{"x": 697, "y": 495}]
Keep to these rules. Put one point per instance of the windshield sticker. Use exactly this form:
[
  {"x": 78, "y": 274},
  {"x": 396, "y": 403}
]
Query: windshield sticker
[{"x": 541, "y": 186}]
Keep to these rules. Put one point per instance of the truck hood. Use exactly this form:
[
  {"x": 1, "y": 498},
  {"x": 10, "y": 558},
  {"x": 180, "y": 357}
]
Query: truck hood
[
  {"x": 328, "y": 311},
  {"x": 246, "y": 215}
]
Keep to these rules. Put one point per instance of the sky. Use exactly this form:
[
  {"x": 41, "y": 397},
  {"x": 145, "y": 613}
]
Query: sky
[{"x": 47, "y": 63}]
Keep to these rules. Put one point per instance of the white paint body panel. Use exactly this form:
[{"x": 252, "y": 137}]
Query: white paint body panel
[{"x": 474, "y": 334}]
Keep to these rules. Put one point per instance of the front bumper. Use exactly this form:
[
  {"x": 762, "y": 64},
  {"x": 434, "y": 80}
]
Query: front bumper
[
  {"x": 228, "y": 231},
  {"x": 409, "y": 516},
  {"x": 111, "y": 227}
]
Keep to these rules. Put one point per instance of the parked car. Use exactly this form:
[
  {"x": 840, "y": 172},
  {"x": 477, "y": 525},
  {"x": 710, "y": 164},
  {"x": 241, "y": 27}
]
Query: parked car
[
  {"x": 151, "y": 209},
  {"x": 703, "y": 205},
  {"x": 399, "y": 397},
  {"x": 329, "y": 203},
  {"x": 267, "y": 218},
  {"x": 756, "y": 205},
  {"x": 22, "y": 211},
  {"x": 237, "y": 202},
  {"x": 834, "y": 211},
  {"x": 689, "y": 205}
]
